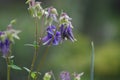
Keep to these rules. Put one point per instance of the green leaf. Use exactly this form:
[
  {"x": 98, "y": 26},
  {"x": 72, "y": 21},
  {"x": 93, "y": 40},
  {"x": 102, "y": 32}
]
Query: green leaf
[
  {"x": 15, "y": 67},
  {"x": 28, "y": 70},
  {"x": 29, "y": 45},
  {"x": 35, "y": 44}
]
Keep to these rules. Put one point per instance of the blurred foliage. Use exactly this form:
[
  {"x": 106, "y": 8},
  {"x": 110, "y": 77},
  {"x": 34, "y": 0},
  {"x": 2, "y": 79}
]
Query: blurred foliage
[{"x": 97, "y": 20}]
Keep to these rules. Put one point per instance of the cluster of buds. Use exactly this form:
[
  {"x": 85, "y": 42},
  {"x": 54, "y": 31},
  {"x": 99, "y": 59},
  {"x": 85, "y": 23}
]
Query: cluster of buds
[
  {"x": 7, "y": 38},
  {"x": 59, "y": 28},
  {"x": 64, "y": 75},
  {"x": 35, "y": 8}
]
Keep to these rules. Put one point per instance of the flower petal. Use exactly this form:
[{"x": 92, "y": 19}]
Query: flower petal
[{"x": 46, "y": 40}]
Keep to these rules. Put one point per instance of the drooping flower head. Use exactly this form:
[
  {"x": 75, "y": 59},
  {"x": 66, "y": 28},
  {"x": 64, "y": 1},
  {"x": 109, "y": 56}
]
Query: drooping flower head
[
  {"x": 35, "y": 8},
  {"x": 51, "y": 15},
  {"x": 65, "y": 75},
  {"x": 7, "y": 38},
  {"x": 66, "y": 33},
  {"x": 53, "y": 36},
  {"x": 12, "y": 33},
  {"x": 66, "y": 27}
]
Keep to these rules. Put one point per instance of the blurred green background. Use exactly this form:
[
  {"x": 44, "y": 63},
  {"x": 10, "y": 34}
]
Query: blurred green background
[{"x": 93, "y": 20}]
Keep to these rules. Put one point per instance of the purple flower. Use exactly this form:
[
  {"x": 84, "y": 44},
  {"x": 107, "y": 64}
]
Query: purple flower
[
  {"x": 4, "y": 44},
  {"x": 51, "y": 13},
  {"x": 64, "y": 75},
  {"x": 53, "y": 36},
  {"x": 66, "y": 32},
  {"x": 5, "y": 47}
]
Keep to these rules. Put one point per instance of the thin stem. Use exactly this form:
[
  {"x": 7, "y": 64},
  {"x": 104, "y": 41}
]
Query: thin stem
[
  {"x": 36, "y": 47},
  {"x": 42, "y": 31},
  {"x": 8, "y": 68},
  {"x": 92, "y": 61},
  {"x": 41, "y": 63},
  {"x": 8, "y": 62}
]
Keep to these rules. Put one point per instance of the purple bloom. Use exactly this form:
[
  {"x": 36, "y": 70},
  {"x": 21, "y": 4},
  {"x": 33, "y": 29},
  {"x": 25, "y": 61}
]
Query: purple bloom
[
  {"x": 66, "y": 32},
  {"x": 5, "y": 47},
  {"x": 4, "y": 44},
  {"x": 53, "y": 36},
  {"x": 51, "y": 13},
  {"x": 64, "y": 75}
]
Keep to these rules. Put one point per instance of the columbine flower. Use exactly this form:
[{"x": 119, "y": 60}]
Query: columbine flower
[
  {"x": 53, "y": 36},
  {"x": 35, "y": 8},
  {"x": 51, "y": 14},
  {"x": 12, "y": 33},
  {"x": 7, "y": 38},
  {"x": 77, "y": 76},
  {"x": 66, "y": 33},
  {"x": 64, "y": 75},
  {"x": 66, "y": 27}
]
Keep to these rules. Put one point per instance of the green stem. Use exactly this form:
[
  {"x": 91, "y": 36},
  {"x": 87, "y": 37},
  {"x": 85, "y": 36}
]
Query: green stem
[
  {"x": 36, "y": 47},
  {"x": 8, "y": 68},
  {"x": 41, "y": 63},
  {"x": 92, "y": 61},
  {"x": 8, "y": 62}
]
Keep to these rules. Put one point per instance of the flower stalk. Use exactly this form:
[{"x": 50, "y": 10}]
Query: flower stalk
[
  {"x": 36, "y": 47},
  {"x": 8, "y": 68}
]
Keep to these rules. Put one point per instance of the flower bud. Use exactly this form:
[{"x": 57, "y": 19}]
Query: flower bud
[
  {"x": 47, "y": 76},
  {"x": 77, "y": 76}
]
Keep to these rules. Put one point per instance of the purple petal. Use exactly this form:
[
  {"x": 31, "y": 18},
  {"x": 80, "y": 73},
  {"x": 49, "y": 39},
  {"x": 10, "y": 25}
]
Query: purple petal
[
  {"x": 5, "y": 47},
  {"x": 46, "y": 40},
  {"x": 51, "y": 29},
  {"x": 62, "y": 29},
  {"x": 70, "y": 34},
  {"x": 55, "y": 42},
  {"x": 64, "y": 75}
]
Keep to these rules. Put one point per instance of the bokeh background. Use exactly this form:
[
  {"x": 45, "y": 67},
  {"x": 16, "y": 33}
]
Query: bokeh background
[{"x": 93, "y": 20}]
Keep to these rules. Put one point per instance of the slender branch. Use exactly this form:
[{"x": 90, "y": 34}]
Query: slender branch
[
  {"x": 8, "y": 68},
  {"x": 42, "y": 31},
  {"x": 36, "y": 47},
  {"x": 8, "y": 62}
]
